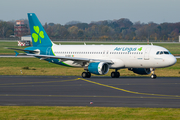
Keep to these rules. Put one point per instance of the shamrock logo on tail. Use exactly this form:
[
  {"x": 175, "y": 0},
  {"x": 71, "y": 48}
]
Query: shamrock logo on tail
[
  {"x": 37, "y": 35},
  {"x": 140, "y": 48}
]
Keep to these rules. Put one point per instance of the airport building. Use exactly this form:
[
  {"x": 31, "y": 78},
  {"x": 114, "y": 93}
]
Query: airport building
[
  {"x": 20, "y": 28},
  {"x": 26, "y": 38}
]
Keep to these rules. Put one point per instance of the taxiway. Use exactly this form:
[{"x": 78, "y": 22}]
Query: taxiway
[{"x": 95, "y": 91}]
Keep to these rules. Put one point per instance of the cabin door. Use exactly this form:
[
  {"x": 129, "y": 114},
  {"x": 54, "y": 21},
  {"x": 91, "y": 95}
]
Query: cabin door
[{"x": 146, "y": 54}]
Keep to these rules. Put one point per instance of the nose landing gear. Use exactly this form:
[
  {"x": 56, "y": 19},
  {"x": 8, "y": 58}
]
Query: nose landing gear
[{"x": 153, "y": 75}]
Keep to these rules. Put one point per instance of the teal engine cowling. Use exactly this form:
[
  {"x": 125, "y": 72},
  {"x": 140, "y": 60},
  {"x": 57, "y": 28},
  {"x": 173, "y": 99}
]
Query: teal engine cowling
[
  {"x": 98, "y": 68},
  {"x": 141, "y": 71}
]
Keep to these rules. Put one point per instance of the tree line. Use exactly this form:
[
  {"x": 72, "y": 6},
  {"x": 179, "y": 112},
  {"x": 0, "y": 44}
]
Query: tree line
[{"x": 121, "y": 29}]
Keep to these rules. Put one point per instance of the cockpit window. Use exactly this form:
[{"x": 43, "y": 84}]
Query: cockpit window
[
  {"x": 166, "y": 52},
  {"x": 163, "y": 52}
]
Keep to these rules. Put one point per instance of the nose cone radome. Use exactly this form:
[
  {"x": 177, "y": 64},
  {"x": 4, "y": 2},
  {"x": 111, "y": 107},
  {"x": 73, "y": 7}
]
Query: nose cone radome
[{"x": 171, "y": 60}]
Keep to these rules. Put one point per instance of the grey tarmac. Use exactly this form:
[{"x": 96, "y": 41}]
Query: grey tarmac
[{"x": 95, "y": 91}]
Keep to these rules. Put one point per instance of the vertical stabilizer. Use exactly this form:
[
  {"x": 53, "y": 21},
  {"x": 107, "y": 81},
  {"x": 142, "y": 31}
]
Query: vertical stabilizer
[{"x": 38, "y": 34}]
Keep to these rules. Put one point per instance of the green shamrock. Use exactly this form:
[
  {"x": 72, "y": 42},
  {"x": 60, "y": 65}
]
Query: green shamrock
[
  {"x": 37, "y": 35},
  {"x": 140, "y": 48}
]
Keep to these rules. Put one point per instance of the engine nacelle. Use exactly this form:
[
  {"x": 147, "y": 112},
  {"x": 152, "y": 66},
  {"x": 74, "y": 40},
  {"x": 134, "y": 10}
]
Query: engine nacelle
[
  {"x": 141, "y": 71},
  {"x": 98, "y": 68}
]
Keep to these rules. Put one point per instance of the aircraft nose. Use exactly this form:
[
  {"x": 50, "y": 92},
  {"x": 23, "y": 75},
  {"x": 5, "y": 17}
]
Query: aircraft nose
[{"x": 172, "y": 60}]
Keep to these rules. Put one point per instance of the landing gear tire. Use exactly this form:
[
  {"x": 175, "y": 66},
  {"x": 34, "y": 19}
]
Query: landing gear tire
[
  {"x": 115, "y": 74},
  {"x": 86, "y": 75},
  {"x": 153, "y": 76}
]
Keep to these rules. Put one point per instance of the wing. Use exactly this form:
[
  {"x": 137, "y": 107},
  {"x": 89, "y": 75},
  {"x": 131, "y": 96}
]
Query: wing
[
  {"x": 75, "y": 59},
  {"x": 177, "y": 56}
]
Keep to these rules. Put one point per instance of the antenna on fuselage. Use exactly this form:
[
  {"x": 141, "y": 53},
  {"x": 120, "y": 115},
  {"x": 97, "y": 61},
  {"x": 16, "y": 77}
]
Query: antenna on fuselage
[
  {"x": 151, "y": 43},
  {"x": 84, "y": 43}
]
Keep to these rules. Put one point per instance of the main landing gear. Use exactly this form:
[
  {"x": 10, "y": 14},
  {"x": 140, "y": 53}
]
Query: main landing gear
[
  {"x": 115, "y": 74},
  {"x": 153, "y": 75},
  {"x": 86, "y": 75}
]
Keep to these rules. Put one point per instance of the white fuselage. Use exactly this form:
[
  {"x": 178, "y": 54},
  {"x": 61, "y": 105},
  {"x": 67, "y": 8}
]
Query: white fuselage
[{"x": 122, "y": 56}]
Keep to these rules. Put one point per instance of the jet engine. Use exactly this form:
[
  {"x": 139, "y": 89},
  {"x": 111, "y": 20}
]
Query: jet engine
[
  {"x": 141, "y": 71},
  {"x": 98, "y": 68}
]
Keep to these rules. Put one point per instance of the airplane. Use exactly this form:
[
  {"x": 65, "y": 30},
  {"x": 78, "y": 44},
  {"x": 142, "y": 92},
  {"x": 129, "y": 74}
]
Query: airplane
[{"x": 97, "y": 59}]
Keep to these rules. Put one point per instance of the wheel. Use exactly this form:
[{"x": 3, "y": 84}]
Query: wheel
[
  {"x": 117, "y": 74},
  {"x": 88, "y": 74},
  {"x": 153, "y": 76},
  {"x": 84, "y": 75},
  {"x": 113, "y": 75}
]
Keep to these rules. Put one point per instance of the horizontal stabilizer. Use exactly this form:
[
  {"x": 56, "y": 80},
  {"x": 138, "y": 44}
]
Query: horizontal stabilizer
[
  {"x": 31, "y": 51},
  {"x": 16, "y": 53}
]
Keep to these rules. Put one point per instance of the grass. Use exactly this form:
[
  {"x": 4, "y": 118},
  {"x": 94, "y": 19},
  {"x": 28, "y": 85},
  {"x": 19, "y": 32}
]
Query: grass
[
  {"x": 34, "y": 66},
  {"x": 87, "y": 113},
  {"x": 4, "y": 51}
]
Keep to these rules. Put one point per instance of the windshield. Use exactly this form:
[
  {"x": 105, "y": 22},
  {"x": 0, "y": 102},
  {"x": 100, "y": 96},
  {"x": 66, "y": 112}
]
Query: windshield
[{"x": 162, "y": 52}]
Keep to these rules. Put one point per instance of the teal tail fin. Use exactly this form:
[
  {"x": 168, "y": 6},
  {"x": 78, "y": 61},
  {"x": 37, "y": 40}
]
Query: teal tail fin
[{"x": 38, "y": 34}]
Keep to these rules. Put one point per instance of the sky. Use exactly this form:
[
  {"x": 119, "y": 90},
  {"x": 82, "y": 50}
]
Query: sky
[{"x": 63, "y": 11}]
